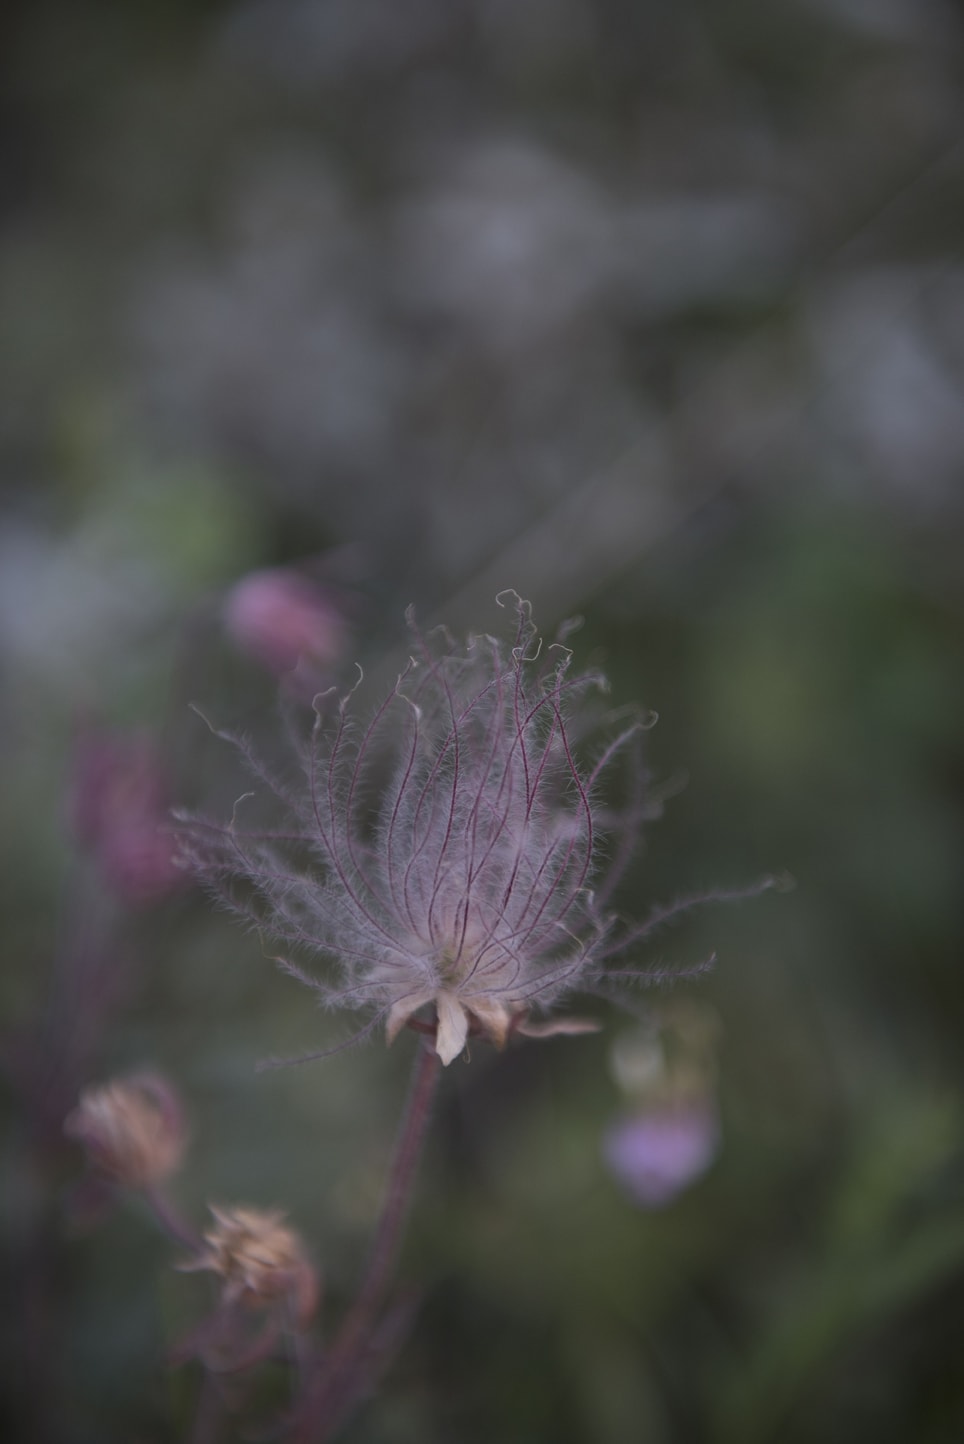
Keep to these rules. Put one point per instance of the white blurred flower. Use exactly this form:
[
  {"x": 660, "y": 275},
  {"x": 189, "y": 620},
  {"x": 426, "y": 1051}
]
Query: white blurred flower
[{"x": 513, "y": 242}]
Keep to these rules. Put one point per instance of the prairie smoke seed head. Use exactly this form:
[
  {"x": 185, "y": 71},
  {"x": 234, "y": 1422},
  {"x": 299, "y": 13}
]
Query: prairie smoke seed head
[
  {"x": 132, "y": 1129},
  {"x": 446, "y": 855},
  {"x": 261, "y": 1261}
]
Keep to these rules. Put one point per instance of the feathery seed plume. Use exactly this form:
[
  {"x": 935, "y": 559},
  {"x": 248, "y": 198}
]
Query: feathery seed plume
[{"x": 447, "y": 858}]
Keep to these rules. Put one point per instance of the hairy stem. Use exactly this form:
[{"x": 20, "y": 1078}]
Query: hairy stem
[{"x": 343, "y": 1374}]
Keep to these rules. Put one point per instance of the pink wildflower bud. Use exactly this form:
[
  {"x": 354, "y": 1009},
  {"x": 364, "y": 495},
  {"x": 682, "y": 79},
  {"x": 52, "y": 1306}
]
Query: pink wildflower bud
[
  {"x": 119, "y": 809},
  {"x": 659, "y": 1153},
  {"x": 668, "y": 1068},
  {"x": 286, "y": 623},
  {"x": 261, "y": 1261},
  {"x": 131, "y": 1129}
]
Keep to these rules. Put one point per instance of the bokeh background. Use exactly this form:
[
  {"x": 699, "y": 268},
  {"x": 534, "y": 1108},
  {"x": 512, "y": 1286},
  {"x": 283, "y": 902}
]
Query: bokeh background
[{"x": 653, "y": 311}]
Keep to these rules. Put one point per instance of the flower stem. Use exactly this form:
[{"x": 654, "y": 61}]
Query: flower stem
[
  {"x": 170, "y": 1221},
  {"x": 342, "y": 1376},
  {"x": 408, "y": 1152}
]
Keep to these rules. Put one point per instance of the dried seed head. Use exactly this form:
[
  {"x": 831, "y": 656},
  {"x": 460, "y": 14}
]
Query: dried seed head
[
  {"x": 453, "y": 858},
  {"x": 131, "y": 1129},
  {"x": 452, "y": 843},
  {"x": 261, "y": 1260}
]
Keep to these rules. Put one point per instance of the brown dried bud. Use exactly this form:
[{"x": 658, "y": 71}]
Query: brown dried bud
[
  {"x": 262, "y": 1262},
  {"x": 132, "y": 1129}
]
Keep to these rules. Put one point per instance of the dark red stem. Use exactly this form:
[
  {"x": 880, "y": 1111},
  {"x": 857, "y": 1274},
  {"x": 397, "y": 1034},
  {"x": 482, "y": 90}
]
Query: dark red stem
[{"x": 343, "y": 1376}]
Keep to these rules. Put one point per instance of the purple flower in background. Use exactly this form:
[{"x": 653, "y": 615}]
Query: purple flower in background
[
  {"x": 657, "y": 1154},
  {"x": 119, "y": 811},
  {"x": 446, "y": 856},
  {"x": 287, "y": 623}
]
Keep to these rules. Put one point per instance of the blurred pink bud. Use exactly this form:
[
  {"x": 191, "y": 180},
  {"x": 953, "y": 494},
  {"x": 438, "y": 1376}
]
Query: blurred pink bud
[
  {"x": 119, "y": 810},
  {"x": 285, "y": 622},
  {"x": 131, "y": 1129},
  {"x": 656, "y": 1155}
]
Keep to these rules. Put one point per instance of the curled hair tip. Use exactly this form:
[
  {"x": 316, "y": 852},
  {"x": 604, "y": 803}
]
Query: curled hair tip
[
  {"x": 195, "y": 707},
  {"x": 780, "y": 882},
  {"x": 245, "y": 797},
  {"x": 570, "y": 625},
  {"x": 318, "y": 700}
]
